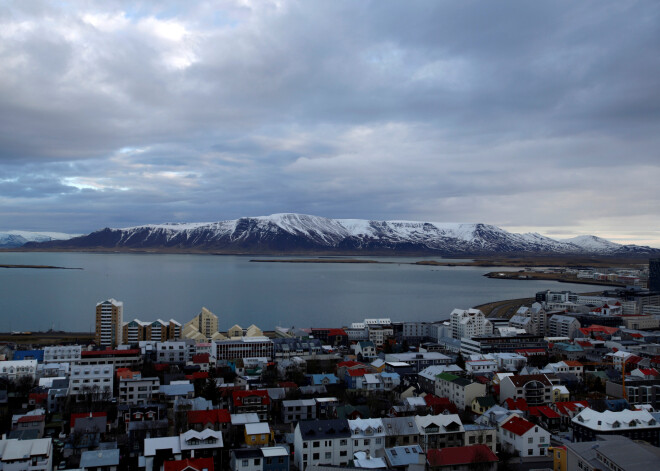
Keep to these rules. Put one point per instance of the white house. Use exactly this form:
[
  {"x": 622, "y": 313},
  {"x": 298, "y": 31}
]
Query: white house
[
  {"x": 368, "y": 435},
  {"x": 91, "y": 379},
  {"x": 440, "y": 431},
  {"x": 32, "y": 455},
  {"x": 319, "y": 442},
  {"x": 518, "y": 435},
  {"x": 17, "y": 369}
]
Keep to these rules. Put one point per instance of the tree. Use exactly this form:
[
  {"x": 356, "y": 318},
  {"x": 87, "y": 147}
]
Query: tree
[{"x": 460, "y": 361}]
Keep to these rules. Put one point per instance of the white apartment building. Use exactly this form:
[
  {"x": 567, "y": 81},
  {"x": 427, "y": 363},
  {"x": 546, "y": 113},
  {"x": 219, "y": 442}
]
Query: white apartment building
[
  {"x": 563, "y": 326},
  {"x": 468, "y": 323},
  {"x": 17, "y": 369},
  {"x": 368, "y": 435},
  {"x": 323, "y": 442},
  {"x": 174, "y": 352},
  {"x": 439, "y": 431},
  {"x": 138, "y": 391},
  {"x": 94, "y": 379},
  {"x": 461, "y": 391},
  {"x": 509, "y": 361},
  {"x": 62, "y": 354}
]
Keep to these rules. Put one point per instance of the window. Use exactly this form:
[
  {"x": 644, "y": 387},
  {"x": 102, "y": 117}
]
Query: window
[
  {"x": 343, "y": 442},
  {"x": 315, "y": 456},
  {"x": 257, "y": 461},
  {"x": 530, "y": 440},
  {"x": 328, "y": 455},
  {"x": 530, "y": 452},
  {"x": 316, "y": 444},
  {"x": 244, "y": 463},
  {"x": 342, "y": 453},
  {"x": 472, "y": 440}
]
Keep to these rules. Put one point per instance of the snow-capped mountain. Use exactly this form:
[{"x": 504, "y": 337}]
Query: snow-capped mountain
[
  {"x": 12, "y": 239},
  {"x": 299, "y": 233}
]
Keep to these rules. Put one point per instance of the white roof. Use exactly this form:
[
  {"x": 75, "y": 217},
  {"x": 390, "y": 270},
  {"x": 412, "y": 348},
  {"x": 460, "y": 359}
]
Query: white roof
[
  {"x": 257, "y": 429},
  {"x": 152, "y": 445},
  {"x": 371, "y": 379},
  {"x": 242, "y": 419},
  {"x": 274, "y": 451},
  {"x": 608, "y": 420},
  {"x": 441, "y": 420}
]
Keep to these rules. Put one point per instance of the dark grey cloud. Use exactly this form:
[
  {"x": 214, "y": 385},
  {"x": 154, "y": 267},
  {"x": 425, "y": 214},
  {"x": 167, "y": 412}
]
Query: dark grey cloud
[{"x": 533, "y": 115}]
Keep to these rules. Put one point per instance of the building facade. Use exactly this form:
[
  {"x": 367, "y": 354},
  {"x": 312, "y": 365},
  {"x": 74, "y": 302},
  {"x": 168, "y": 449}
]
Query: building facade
[{"x": 109, "y": 314}]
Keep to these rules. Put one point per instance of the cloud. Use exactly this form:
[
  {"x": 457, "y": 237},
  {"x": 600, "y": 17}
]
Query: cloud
[{"x": 541, "y": 116}]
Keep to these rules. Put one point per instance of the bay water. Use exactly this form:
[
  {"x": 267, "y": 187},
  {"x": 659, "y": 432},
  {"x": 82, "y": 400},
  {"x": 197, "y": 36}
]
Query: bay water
[{"x": 242, "y": 292}]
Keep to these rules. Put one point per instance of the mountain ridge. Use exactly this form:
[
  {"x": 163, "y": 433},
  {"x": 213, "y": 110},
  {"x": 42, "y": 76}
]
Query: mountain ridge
[{"x": 300, "y": 233}]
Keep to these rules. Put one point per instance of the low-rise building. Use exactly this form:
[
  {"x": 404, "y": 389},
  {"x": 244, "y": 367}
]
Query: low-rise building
[
  {"x": 93, "y": 382},
  {"x": 535, "y": 389},
  {"x": 138, "y": 391},
  {"x": 319, "y": 442},
  {"x": 634, "y": 424},
  {"x": 460, "y": 391},
  {"x": 32, "y": 455},
  {"x": 440, "y": 431},
  {"x": 517, "y": 435}
]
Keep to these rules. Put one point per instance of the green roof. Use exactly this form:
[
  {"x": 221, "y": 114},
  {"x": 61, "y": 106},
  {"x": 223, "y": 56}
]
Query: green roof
[{"x": 447, "y": 376}]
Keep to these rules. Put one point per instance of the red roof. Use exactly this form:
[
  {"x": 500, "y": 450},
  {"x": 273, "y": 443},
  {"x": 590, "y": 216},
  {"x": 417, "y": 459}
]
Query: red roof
[
  {"x": 38, "y": 397},
  {"x": 517, "y": 425},
  {"x": 201, "y": 358},
  {"x": 459, "y": 455},
  {"x": 196, "y": 464},
  {"x": 349, "y": 364},
  {"x": 565, "y": 407},
  {"x": 341, "y": 332},
  {"x": 543, "y": 410},
  {"x": 649, "y": 372},
  {"x": 214, "y": 416},
  {"x": 636, "y": 336},
  {"x": 287, "y": 385},
  {"x": 104, "y": 353},
  {"x": 358, "y": 372},
  {"x": 198, "y": 375},
  {"x": 583, "y": 343},
  {"x": 238, "y": 396},
  {"x": 31, "y": 418},
  {"x": 517, "y": 404},
  {"x": 84, "y": 415},
  {"x": 572, "y": 363},
  {"x": 161, "y": 366},
  {"x": 440, "y": 404}
]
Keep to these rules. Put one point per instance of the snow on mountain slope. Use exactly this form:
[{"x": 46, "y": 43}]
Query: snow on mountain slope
[
  {"x": 11, "y": 239},
  {"x": 593, "y": 243},
  {"x": 290, "y": 232}
]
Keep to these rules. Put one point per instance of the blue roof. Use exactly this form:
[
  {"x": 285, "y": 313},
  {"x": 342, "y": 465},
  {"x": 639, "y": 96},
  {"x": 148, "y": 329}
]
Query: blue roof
[
  {"x": 389, "y": 375},
  {"x": 404, "y": 455},
  {"x": 98, "y": 458},
  {"x": 29, "y": 355},
  {"x": 318, "y": 379},
  {"x": 177, "y": 389}
]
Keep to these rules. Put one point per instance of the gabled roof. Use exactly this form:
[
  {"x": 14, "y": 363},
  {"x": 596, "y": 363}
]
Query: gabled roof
[
  {"x": 517, "y": 425},
  {"x": 238, "y": 396},
  {"x": 517, "y": 404},
  {"x": 545, "y": 411},
  {"x": 189, "y": 464},
  {"x": 321, "y": 429},
  {"x": 86, "y": 415},
  {"x": 520, "y": 380}
]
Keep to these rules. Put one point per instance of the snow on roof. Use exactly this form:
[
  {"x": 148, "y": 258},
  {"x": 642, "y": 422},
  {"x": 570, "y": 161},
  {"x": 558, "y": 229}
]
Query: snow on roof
[
  {"x": 257, "y": 429},
  {"x": 609, "y": 420}
]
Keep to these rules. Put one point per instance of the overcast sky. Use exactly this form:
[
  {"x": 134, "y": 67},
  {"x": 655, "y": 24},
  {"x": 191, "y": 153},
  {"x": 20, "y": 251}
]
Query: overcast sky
[{"x": 530, "y": 115}]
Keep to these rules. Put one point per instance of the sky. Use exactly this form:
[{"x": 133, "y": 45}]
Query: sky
[{"x": 536, "y": 116}]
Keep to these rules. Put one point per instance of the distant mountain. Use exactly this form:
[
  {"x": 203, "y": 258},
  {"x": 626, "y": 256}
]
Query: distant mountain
[
  {"x": 299, "y": 233},
  {"x": 13, "y": 239}
]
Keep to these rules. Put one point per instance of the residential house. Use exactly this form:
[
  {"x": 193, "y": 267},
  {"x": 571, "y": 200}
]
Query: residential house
[
  {"x": 517, "y": 435},
  {"x": 322, "y": 442},
  {"x": 460, "y": 391},
  {"x": 256, "y": 401},
  {"x": 259, "y": 434},
  {"x": 535, "y": 389},
  {"x": 368, "y": 435},
  {"x": 400, "y": 431},
  {"x": 634, "y": 424},
  {"x": 440, "y": 431},
  {"x": 100, "y": 460}
]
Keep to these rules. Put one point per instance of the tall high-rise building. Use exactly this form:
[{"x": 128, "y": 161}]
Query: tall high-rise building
[
  {"x": 109, "y": 323},
  {"x": 203, "y": 325},
  {"x": 654, "y": 274}
]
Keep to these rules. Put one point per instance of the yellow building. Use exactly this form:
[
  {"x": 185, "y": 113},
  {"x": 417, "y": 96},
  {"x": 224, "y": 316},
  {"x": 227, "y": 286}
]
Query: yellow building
[
  {"x": 259, "y": 434},
  {"x": 109, "y": 323},
  {"x": 560, "y": 394},
  {"x": 558, "y": 458},
  {"x": 204, "y": 326}
]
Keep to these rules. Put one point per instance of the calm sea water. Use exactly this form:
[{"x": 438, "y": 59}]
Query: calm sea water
[{"x": 239, "y": 291}]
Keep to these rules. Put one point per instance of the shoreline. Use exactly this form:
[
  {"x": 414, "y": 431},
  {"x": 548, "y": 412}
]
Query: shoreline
[{"x": 44, "y": 267}]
